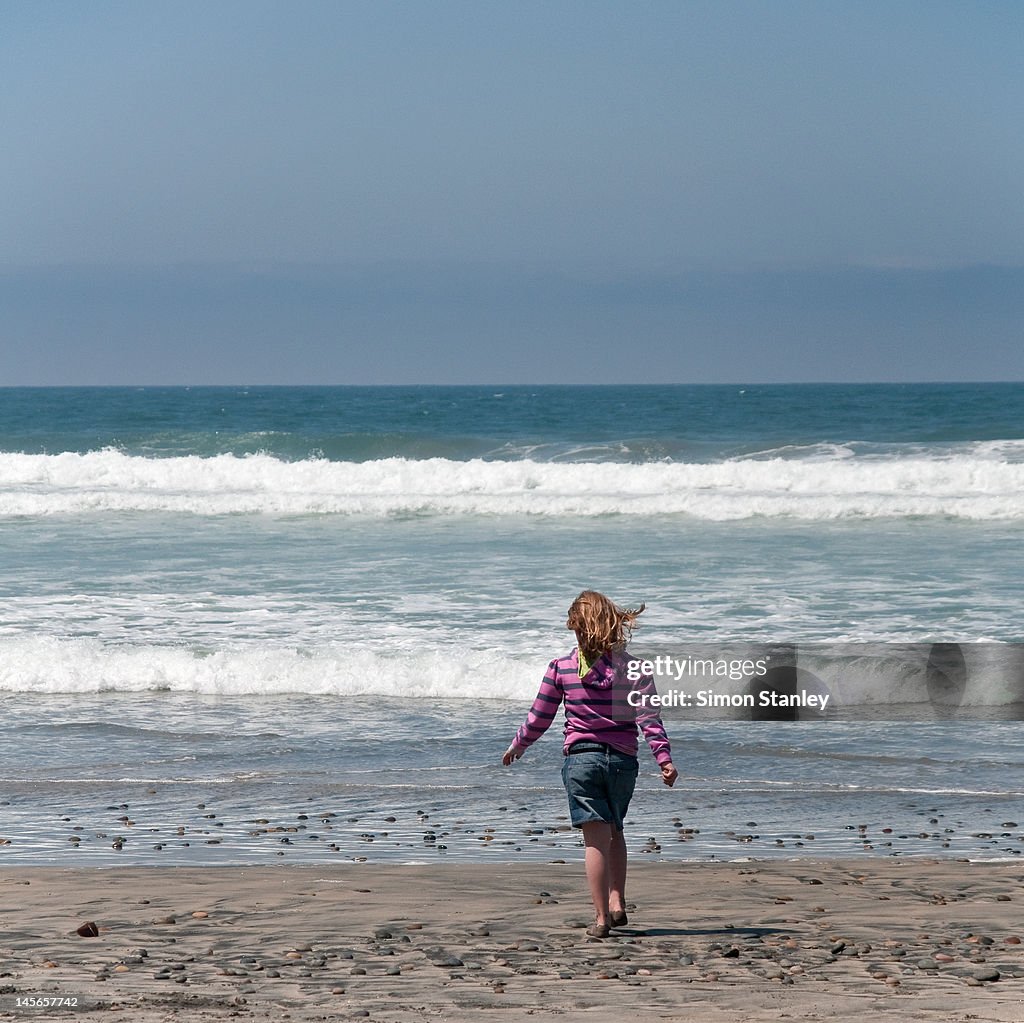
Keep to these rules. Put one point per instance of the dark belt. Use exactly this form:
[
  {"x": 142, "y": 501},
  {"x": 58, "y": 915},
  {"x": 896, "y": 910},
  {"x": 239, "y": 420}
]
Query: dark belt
[{"x": 587, "y": 746}]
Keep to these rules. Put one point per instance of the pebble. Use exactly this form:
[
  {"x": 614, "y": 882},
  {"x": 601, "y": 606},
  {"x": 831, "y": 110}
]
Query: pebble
[
  {"x": 989, "y": 974},
  {"x": 445, "y": 960}
]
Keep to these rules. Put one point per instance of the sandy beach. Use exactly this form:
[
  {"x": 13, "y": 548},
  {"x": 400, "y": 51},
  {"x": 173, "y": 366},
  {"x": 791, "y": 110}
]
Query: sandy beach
[{"x": 890, "y": 939}]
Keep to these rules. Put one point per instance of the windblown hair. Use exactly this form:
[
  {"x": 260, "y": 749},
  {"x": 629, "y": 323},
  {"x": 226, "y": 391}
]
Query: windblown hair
[{"x": 600, "y": 624}]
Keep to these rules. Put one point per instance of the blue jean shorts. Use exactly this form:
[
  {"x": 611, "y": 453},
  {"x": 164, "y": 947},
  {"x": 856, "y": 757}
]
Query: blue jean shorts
[{"x": 599, "y": 786}]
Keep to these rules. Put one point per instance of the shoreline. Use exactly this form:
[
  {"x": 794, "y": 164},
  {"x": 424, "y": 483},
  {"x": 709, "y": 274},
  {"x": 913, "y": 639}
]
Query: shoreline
[
  {"x": 497, "y": 864},
  {"x": 900, "y": 938}
]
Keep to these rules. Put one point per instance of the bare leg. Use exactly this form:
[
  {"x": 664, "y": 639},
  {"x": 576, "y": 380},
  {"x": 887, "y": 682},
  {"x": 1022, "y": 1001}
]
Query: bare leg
[
  {"x": 617, "y": 872},
  {"x": 597, "y": 837}
]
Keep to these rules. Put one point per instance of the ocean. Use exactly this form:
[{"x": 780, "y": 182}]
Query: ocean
[{"x": 279, "y": 624}]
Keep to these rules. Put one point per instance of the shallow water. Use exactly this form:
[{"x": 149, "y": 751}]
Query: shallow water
[{"x": 411, "y": 781}]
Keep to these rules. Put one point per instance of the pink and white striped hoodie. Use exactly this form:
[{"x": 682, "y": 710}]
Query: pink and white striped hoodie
[{"x": 597, "y": 707}]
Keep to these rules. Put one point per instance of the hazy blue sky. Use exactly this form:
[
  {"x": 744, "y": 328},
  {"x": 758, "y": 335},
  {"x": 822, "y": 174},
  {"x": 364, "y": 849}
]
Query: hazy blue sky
[{"x": 365, "y": 192}]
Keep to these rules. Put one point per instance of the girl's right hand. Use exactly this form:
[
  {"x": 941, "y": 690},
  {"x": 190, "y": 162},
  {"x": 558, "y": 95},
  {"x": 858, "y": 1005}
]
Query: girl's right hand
[
  {"x": 511, "y": 754},
  {"x": 669, "y": 774}
]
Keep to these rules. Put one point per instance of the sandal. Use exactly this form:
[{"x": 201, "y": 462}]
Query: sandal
[
  {"x": 619, "y": 919},
  {"x": 598, "y": 930}
]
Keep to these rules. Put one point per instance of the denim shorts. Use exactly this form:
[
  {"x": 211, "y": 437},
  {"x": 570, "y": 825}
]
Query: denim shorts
[{"x": 599, "y": 786}]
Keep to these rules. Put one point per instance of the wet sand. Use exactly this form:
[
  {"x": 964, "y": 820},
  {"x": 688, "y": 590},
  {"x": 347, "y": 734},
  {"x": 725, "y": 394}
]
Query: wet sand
[{"x": 893, "y": 939}]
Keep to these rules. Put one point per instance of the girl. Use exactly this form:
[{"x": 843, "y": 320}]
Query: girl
[{"x": 603, "y": 710}]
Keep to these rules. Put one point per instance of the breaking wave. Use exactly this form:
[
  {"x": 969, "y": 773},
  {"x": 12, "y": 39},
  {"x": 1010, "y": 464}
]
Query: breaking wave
[{"x": 977, "y": 484}]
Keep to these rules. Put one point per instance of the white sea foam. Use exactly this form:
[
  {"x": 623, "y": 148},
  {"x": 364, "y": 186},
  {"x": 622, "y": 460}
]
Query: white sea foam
[
  {"x": 982, "y": 484},
  {"x": 42, "y": 664},
  {"x": 50, "y": 665}
]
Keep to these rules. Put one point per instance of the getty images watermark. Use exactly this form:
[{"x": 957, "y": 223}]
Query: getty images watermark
[
  {"x": 877, "y": 681},
  {"x": 667, "y": 668}
]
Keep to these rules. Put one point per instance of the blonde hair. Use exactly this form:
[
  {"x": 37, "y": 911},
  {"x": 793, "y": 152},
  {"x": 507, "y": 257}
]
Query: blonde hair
[{"x": 600, "y": 624}]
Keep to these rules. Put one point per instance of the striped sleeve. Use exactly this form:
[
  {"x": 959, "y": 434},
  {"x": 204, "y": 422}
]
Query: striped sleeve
[
  {"x": 542, "y": 713},
  {"x": 651, "y": 724}
]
